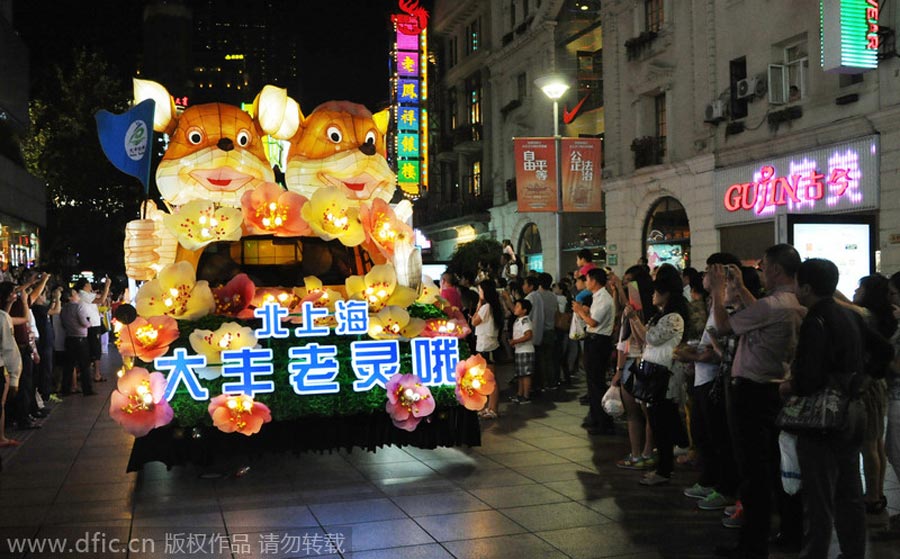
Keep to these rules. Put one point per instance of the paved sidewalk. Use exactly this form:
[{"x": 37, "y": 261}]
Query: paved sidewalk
[{"x": 538, "y": 487}]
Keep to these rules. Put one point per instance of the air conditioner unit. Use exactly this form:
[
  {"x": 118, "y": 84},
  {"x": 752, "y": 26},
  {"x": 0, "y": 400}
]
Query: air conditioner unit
[
  {"x": 746, "y": 88},
  {"x": 715, "y": 111}
]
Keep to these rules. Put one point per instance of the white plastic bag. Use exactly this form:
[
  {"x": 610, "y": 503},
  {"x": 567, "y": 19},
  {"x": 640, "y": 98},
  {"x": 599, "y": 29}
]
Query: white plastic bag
[
  {"x": 576, "y": 328},
  {"x": 790, "y": 464},
  {"x": 612, "y": 402}
]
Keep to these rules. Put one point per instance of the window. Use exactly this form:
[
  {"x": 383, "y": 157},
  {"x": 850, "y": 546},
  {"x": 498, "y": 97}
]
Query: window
[
  {"x": 512, "y": 14},
  {"x": 473, "y": 98},
  {"x": 737, "y": 71},
  {"x": 521, "y": 86},
  {"x": 787, "y": 80},
  {"x": 475, "y": 179},
  {"x": 653, "y": 15},
  {"x": 452, "y": 109},
  {"x": 473, "y": 32},
  {"x": 659, "y": 103},
  {"x": 590, "y": 78},
  {"x": 452, "y": 52}
]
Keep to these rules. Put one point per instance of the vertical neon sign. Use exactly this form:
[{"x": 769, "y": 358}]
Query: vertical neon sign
[
  {"x": 849, "y": 35},
  {"x": 409, "y": 98}
]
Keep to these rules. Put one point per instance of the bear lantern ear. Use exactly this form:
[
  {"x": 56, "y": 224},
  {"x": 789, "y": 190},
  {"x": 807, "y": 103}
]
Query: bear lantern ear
[
  {"x": 381, "y": 121},
  {"x": 163, "y": 114},
  {"x": 278, "y": 115}
]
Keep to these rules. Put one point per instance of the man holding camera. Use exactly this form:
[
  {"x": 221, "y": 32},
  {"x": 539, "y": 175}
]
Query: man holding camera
[{"x": 768, "y": 329}]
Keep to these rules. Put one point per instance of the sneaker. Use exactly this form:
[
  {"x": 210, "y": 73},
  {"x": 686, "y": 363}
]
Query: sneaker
[
  {"x": 653, "y": 479},
  {"x": 54, "y": 399},
  {"x": 728, "y": 511},
  {"x": 698, "y": 491},
  {"x": 680, "y": 450},
  {"x": 522, "y": 400},
  {"x": 736, "y": 520},
  {"x": 514, "y": 400},
  {"x": 650, "y": 461},
  {"x": 714, "y": 501},
  {"x": 632, "y": 463}
]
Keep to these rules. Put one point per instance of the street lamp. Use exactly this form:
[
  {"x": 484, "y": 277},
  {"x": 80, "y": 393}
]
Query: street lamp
[{"x": 554, "y": 86}]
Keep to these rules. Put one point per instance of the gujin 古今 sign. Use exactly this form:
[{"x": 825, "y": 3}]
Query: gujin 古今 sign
[{"x": 832, "y": 179}]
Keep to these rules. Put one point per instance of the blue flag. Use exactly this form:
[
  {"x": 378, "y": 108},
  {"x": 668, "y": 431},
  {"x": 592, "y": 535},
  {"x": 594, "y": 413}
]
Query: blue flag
[{"x": 126, "y": 139}]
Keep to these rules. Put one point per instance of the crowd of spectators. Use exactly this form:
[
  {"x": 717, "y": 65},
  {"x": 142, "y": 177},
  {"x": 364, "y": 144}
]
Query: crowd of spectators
[
  {"x": 733, "y": 342},
  {"x": 53, "y": 332}
]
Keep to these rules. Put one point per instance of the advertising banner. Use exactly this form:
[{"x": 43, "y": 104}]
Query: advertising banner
[
  {"x": 581, "y": 175},
  {"x": 535, "y": 174}
]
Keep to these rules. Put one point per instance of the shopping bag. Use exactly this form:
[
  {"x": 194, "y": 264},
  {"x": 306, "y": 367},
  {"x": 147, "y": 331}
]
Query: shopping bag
[
  {"x": 612, "y": 402},
  {"x": 790, "y": 465}
]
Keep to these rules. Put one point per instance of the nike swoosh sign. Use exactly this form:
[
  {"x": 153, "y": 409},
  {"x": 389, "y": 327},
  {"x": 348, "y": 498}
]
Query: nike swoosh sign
[{"x": 568, "y": 116}]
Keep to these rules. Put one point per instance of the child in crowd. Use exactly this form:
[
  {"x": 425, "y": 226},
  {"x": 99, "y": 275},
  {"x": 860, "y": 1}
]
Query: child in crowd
[{"x": 521, "y": 341}]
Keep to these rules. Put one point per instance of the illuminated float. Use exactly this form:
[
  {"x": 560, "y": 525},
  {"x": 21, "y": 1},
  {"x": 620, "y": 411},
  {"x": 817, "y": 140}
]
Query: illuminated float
[{"x": 273, "y": 318}]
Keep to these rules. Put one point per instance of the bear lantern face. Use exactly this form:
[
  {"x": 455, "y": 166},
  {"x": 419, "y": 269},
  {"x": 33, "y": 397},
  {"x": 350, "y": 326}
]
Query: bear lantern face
[
  {"x": 341, "y": 144},
  {"x": 215, "y": 153}
]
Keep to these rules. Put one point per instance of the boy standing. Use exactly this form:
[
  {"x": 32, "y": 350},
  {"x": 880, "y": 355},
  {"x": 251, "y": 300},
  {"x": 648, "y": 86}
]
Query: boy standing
[{"x": 521, "y": 341}]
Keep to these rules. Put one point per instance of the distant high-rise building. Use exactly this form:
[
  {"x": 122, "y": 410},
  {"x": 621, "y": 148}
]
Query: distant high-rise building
[{"x": 220, "y": 50}]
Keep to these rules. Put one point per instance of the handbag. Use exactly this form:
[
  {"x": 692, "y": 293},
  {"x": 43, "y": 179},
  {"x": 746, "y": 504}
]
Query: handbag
[
  {"x": 826, "y": 410},
  {"x": 649, "y": 382}
]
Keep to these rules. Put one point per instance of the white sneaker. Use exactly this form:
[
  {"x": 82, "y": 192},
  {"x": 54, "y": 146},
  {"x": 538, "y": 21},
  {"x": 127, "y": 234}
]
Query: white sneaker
[{"x": 698, "y": 491}]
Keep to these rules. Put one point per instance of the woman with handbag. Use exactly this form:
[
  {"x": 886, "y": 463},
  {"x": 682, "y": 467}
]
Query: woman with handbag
[
  {"x": 640, "y": 436},
  {"x": 654, "y": 382}
]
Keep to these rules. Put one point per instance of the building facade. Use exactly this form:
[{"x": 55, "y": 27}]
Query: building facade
[
  {"x": 725, "y": 133},
  {"x": 489, "y": 55},
  {"x": 22, "y": 196}
]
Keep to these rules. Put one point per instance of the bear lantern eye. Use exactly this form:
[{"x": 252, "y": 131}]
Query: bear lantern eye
[
  {"x": 195, "y": 136},
  {"x": 370, "y": 137},
  {"x": 334, "y": 134},
  {"x": 243, "y": 138}
]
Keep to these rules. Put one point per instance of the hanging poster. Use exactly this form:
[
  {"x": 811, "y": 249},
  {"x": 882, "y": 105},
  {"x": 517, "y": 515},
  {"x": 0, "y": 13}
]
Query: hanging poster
[
  {"x": 581, "y": 175},
  {"x": 535, "y": 174}
]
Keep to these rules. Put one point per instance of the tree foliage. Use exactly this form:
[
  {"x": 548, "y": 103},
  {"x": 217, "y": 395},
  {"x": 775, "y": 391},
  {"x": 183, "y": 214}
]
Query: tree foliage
[
  {"x": 89, "y": 200},
  {"x": 467, "y": 256}
]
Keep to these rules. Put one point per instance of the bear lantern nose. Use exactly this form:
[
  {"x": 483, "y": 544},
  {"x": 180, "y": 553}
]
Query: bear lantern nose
[
  {"x": 225, "y": 144},
  {"x": 367, "y": 148}
]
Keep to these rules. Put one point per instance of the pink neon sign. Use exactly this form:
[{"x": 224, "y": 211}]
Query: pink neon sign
[{"x": 802, "y": 189}]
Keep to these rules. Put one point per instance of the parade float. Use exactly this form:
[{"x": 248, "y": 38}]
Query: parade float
[{"x": 273, "y": 317}]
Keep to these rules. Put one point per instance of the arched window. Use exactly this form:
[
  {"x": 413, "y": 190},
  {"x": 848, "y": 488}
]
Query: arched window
[{"x": 667, "y": 234}]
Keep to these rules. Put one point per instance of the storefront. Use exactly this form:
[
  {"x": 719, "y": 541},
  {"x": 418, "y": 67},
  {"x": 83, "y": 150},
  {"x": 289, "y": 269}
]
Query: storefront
[
  {"x": 19, "y": 242},
  {"x": 824, "y": 201}
]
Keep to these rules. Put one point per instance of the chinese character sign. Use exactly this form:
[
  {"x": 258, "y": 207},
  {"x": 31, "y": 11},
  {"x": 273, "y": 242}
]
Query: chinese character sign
[
  {"x": 535, "y": 174},
  {"x": 831, "y": 179},
  {"x": 408, "y": 102},
  {"x": 581, "y": 174}
]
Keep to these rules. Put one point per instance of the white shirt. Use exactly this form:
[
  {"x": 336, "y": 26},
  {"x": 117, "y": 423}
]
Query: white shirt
[
  {"x": 602, "y": 312},
  {"x": 486, "y": 333},
  {"x": 520, "y": 326},
  {"x": 9, "y": 350},
  {"x": 90, "y": 308},
  {"x": 536, "y": 316},
  {"x": 662, "y": 338},
  {"x": 705, "y": 372}
]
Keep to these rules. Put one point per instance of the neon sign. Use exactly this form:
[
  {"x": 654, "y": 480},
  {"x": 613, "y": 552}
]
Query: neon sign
[
  {"x": 313, "y": 367},
  {"x": 832, "y": 179},
  {"x": 849, "y": 35},
  {"x": 409, "y": 96},
  {"x": 794, "y": 191}
]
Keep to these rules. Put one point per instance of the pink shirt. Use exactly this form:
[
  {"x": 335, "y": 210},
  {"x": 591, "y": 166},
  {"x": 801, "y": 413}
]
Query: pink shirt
[
  {"x": 451, "y": 294},
  {"x": 768, "y": 336}
]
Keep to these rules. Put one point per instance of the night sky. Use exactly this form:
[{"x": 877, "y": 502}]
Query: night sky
[{"x": 343, "y": 49}]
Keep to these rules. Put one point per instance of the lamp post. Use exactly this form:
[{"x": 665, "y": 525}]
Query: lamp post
[{"x": 554, "y": 86}]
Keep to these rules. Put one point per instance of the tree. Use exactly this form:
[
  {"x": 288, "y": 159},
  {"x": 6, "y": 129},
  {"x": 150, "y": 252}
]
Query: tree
[
  {"x": 466, "y": 258},
  {"x": 89, "y": 200}
]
